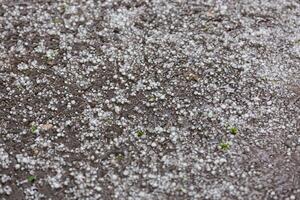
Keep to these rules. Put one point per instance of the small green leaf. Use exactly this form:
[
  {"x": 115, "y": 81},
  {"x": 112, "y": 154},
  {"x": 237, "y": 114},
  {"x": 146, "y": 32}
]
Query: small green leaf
[
  {"x": 31, "y": 179},
  {"x": 140, "y": 133},
  {"x": 33, "y": 128},
  {"x": 119, "y": 157},
  {"x": 152, "y": 98}
]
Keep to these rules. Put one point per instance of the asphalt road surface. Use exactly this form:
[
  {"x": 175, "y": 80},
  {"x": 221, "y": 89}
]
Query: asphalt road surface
[{"x": 145, "y": 99}]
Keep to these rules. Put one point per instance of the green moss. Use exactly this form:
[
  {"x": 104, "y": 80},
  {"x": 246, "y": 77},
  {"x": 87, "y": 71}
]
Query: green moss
[
  {"x": 225, "y": 146},
  {"x": 233, "y": 130}
]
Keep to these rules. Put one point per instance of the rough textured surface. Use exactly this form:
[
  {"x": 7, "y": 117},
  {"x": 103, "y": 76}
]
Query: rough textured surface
[{"x": 149, "y": 99}]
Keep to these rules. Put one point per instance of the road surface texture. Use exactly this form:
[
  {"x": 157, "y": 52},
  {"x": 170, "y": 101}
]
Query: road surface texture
[{"x": 145, "y": 99}]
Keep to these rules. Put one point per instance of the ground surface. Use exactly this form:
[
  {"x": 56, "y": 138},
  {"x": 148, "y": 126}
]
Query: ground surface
[{"x": 149, "y": 99}]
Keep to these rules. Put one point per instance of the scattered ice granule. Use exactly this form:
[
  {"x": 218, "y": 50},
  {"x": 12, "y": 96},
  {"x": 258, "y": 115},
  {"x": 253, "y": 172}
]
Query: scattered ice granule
[
  {"x": 292, "y": 197},
  {"x": 51, "y": 54},
  {"x": 5, "y": 178},
  {"x": 223, "y": 106},
  {"x": 174, "y": 137},
  {"x": 41, "y": 47},
  {"x": 153, "y": 144},
  {"x": 7, "y": 190},
  {"x": 20, "y": 47},
  {"x": 126, "y": 172},
  {"x": 210, "y": 114},
  {"x": 68, "y": 122},
  {"x": 98, "y": 188},
  {"x": 17, "y": 166},
  {"x": 159, "y": 129},
  {"x": 222, "y": 160},
  {"x": 122, "y": 18},
  {"x": 22, "y": 66},
  {"x": 118, "y": 109},
  {"x": 114, "y": 177},
  {"x": 4, "y": 158},
  {"x": 55, "y": 182}
]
